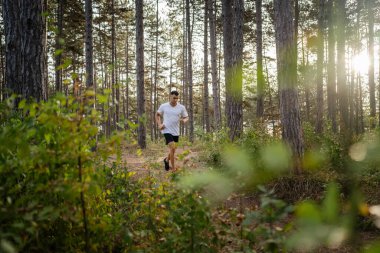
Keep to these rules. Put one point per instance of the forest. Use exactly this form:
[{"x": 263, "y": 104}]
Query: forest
[{"x": 280, "y": 151}]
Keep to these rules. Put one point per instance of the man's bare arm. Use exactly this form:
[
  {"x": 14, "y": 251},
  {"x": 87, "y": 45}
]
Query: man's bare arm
[
  {"x": 158, "y": 121},
  {"x": 185, "y": 119}
]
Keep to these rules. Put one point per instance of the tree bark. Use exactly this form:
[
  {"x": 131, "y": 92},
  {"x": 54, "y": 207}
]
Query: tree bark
[
  {"x": 171, "y": 66},
  {"x": 341, "y": 63},
  {"x": 236, "y": 123},
  {"x": 286, "y": 51},
  {"x": 296, "y": 18},
  {"x": 206, "y": 118},
  {"x": 155, "y": 101},
  {"x": 89, "y": 45},
  {"x": 127, "y": 76},
  {"x": 190, "y": 72},
  {"x": 115, "y": 85},
  {"x": 184, "y": 64},
  {"x": 379, "y": 85},
  {"x": 58, "y": 47},
  {"x": 331, "y": 74},
  {"x": 141, "y": 131},
  {"x": 232, "y": 62},
  {"x": 2, "y": 67},
  {"x": 151, "y": 96},
  {"x": 371, "y": 69},
  {"x": 25, "y": 48},
  {"x": 214, "y": 71},
  {"x": 320, "y": 57},
  {"x": 259, "y": 64}
]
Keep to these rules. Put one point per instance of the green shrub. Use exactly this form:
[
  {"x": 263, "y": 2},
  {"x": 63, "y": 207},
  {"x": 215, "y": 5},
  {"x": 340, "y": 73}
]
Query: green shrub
[{"x": 48, "y": 175}]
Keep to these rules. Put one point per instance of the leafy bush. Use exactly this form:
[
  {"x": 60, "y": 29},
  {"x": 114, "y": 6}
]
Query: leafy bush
[
  {"x": 213, "y": 144},
  {"x": 269, "y": 228},
  {"x": 60, "y": 192},
  {"x": 48, "y": 175}
]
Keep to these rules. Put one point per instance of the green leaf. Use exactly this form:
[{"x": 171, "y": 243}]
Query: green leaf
[
  {"x": 22, "y": 103},
  {"x": 374, "y": 248},
  {"x": 43, "y": 118},
  {"x": 47, "y": 138},
  {"x": 308, "y": 213},
  {"x": 7, "y": 247},
  {"x": 58, "y": 52},
  {"x": 276, "y": 157},
  {"x": 313, "y": 159},
  {"x": 238, "y": 161},
  {"x": 330, "y": 204},
  {"x": 65, "y": 64}
]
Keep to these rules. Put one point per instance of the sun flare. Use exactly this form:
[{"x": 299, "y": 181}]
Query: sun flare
[{"x": 360, "y": 62}]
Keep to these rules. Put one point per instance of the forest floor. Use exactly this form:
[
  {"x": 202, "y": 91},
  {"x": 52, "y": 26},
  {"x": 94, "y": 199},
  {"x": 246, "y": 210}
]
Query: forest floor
[
  {"x": 189, "y": 158},
  {"x": 150, "y": 160}
]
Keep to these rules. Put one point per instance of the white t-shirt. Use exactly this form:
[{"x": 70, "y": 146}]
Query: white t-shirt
[{"x": 172, "y": 115}]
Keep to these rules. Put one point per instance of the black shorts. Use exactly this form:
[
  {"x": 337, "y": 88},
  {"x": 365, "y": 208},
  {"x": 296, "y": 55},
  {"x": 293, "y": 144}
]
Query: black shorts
[{"x": 169, "y": 138}]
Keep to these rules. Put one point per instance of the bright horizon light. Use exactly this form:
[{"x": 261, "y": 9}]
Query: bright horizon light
[{"x": 360, "y": 62}]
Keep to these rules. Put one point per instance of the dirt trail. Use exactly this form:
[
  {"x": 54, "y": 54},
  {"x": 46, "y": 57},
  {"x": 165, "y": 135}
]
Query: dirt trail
[{"x": 143, "y": 162}]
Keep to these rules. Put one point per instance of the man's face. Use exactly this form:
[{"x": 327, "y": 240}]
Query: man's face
[{"x": 173, "y": 99}]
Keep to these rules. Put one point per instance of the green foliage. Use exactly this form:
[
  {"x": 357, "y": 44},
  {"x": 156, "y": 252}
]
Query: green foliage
[
  {"x": 60, "y": 191},
  {"x": 337, "y": 220},
  {"x": 269, "y": 229},
  {"x": 326, "y": 150},
  {"x": 251, "y": 142},
  {"x": 46, "y": 163},
  {"x": 373, "y": 248},
  {"x": 325, "y": 224},
  {"x": 151, "y": 216},
  {"x": 214, "y": 144}
]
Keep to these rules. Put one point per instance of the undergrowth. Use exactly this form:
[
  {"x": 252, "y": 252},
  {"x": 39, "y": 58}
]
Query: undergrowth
[{"x": 60, "y": 192}]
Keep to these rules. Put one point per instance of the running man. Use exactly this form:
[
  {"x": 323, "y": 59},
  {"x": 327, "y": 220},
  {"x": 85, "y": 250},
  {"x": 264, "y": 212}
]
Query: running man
[{"x": 172, "y": 113}]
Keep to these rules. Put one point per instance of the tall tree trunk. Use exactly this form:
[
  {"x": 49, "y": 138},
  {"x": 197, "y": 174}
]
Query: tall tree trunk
[
  {"x": 379, "y": 83},
  {"x": 58, "y": 47},
  {"x": 352, "y": 96},
  {"x": 341, "y": 64},
  {"x": 296, "y": 18},
  {"x": 361, "y": 112},
  {"x": 171, "y": 66},
  {"x": 89, "y": 45},
  {"x": 214, "y": 71},
  {"x": 102, "y": 78},
  {"x": 357, "y": 103},
  {"x": 115, "y": 85},
  {"x": 184, "y": 63},
  {"x": 2, "y": 70},
  {"x": 220, "y": 50},
  {"x": 155, "y": 101},
  {"x": 320, "y": 57},
  {"x": 354, "y": 101},
  {"x": 206, "y": 118},
  {"x": 331, "y": 74},
  {"x": 151, "y": 97},
  {"x": 236, "y": 123},
  {"x": 127, "y": 77},
  {"x": 259, "y": 64},
  {"x": 1, "y": 53},
  {"x": 45, "y": 82},
  {"x": 190, "y": 72},
  {"x": 371, "y": 69},
  {"x": 228, "y": 35},
  {"x": 141, "y": 131},
  {"x": 287, "y": 79},
  {"x": 25, "y": 48}
]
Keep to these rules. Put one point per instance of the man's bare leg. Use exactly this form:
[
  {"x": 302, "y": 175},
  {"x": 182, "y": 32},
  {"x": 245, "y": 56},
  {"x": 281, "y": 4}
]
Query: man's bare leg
[{"x": 171, "y": 156}]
